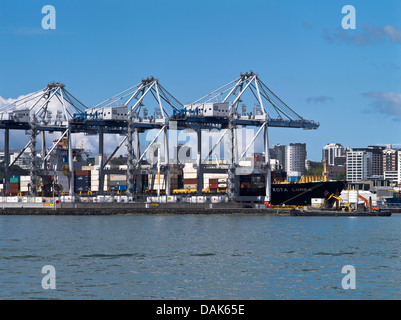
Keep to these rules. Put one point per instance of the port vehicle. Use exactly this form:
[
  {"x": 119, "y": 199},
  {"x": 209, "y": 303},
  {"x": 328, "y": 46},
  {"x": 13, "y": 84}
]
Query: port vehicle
[{"x": 367, "y": 203}]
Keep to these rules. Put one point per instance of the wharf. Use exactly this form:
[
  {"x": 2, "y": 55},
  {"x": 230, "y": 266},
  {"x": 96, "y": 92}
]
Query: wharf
[{"x": 140, "y": 208}]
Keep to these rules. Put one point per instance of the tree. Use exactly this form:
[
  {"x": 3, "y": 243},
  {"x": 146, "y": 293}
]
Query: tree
[
  {"x": 315, "y": 170},
  {"x": 17, "y": 170}
]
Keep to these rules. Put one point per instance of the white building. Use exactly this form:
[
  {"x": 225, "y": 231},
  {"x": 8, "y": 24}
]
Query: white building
[
  {"x": 331, "y": 151},
  {"x": 399, "y": 168},
  {"x": 295, "y": 159},
  {"x": 359, "y": 165}
]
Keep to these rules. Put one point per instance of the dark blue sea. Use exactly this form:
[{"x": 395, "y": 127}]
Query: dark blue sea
[{"x": 199, "y": 257}]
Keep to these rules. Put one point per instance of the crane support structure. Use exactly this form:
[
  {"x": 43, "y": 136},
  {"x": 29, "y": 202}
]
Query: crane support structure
[{"x": 148, "y": 109}]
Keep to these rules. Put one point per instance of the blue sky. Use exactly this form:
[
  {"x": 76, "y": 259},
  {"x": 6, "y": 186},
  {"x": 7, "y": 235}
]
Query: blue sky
[{"x": 348, "y": 80}]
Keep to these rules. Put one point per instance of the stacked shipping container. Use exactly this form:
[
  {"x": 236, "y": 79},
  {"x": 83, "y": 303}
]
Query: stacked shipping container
[
  {"x": 14, "y": 185},
  {"x": 82, "y": 180}
]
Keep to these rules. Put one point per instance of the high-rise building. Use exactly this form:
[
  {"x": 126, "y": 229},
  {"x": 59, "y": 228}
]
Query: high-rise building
[
  {"x": 359, "y": 165},
  {"x": 278, "y": 152},
  {"x": 377, "y": 159},
  {"x": 390, "y": 156},
  {"x": 399, "y": 168},
  {"x": 295, "y": 159},
  {"x": 331, "y": 151}
]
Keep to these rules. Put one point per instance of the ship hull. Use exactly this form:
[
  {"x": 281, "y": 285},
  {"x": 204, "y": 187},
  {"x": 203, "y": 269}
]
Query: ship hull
[{"x": 299, "y": 194}]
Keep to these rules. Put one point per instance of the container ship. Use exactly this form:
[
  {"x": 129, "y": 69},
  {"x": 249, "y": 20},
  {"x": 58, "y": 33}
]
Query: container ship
[{"x": 293, "y": 192}]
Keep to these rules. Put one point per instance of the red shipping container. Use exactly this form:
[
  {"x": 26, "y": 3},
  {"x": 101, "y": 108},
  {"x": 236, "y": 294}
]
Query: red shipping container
[
  {"x": 213, "y": 185},
  {"x": 190, "y": 181},
  {"x": 83, "y": 173},
  {"x": 213, "y": 181}
]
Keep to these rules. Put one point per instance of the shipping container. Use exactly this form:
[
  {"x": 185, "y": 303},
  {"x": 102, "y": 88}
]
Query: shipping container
[
  {"x": 82, "y": 178},
  {"x": 81, "y": 185},
  {"x": 190, "y": 186},
  {"x": 81, "y": 188},
  {"x": 118, "y": 177},
  {"x": 294, "y": 179},
  {"x": 190, "y": 175},
  {"x": 82, "y": 172},
  {"x": 190, "y": 181}
]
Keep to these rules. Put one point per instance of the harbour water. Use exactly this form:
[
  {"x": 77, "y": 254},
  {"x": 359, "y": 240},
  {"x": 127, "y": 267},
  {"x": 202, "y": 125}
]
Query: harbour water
[{"x": 200, "y": 257}]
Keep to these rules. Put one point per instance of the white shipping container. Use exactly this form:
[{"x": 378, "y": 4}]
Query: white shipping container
[
  {"x": 317, "y": 200},
  {"x": 11, "y": 199},
  {"x": 190, "y": 175},
  {"x": 118, "y": 177},
  {"x": 216, "y": 199},
  {"x": 25, "y": 178},
  {"x": 108, "y": 199},
  {"x": 66, "y": 198},
  {"x": 172, "y": 199},
  {"x": 245, "y": 163},
  {"x": 86, "y": 167}
]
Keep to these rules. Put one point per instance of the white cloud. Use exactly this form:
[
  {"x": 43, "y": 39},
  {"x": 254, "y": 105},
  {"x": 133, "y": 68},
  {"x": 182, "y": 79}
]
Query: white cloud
[
  {"x": 319, "y": 99},
  {"x": 367, "y": 35},
  {"x": 387, "y": 103}
]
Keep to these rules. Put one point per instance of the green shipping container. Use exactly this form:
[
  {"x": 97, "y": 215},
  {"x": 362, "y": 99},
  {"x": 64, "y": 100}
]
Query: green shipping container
[{"x": 14, "y": 180}]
